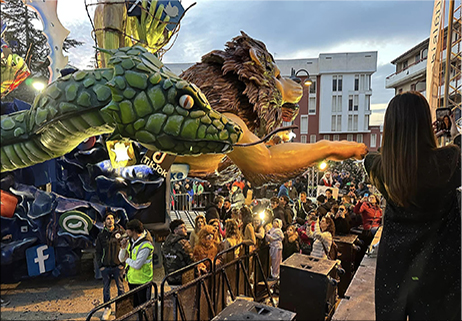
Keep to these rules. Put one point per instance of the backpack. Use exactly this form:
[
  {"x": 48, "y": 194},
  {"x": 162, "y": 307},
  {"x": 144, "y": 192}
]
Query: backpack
[{"x": 333, "y": 254}]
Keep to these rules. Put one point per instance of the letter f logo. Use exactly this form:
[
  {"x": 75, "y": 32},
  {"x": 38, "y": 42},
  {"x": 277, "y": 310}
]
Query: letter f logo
[{"x": 40, "y": 259}]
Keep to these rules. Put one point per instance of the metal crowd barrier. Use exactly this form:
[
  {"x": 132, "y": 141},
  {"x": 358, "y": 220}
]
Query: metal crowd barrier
[
  {"x": 124, "y": 304},
  {"x": 192, "y": 300},
  {"x": 184, "y": 202},
  {"x": 200, "y": 297}
]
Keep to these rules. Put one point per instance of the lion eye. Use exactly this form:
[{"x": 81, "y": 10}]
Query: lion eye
[{"x": 186, "y": 101}]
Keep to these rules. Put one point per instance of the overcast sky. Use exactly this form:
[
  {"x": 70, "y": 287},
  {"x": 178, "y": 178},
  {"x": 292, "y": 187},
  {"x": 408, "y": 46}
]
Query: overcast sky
[{"x": 290, "y": 29}]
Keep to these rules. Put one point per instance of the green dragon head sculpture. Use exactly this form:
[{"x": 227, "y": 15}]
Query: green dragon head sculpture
[{"x": 137, "y": 98}]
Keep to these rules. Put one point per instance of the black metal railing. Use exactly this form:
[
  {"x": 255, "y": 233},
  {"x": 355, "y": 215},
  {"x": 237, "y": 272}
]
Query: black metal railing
[
  {"x": 201, "y": 296},
  {"x": 124, "y": 303}
]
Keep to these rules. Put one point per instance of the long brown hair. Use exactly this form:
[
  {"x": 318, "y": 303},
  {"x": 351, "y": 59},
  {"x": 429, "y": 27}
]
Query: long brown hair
[{"x": 407, "y": 133}]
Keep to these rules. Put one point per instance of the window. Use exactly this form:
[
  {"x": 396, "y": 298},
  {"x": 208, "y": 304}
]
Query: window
[
  {"x": 355, "y": 102},
  {"x": 368, "y": 102},
  {"x": 339, "y": 123},
  {"x": 366, "y": 122},
  {"x": 340, "y": 86},
  {"x": 417, "y": 57},
  {"x": 359, "y": 138},
  {"x": 303, "y": 139},
  {"x": 356, "y": 82},
  {"x": 304, "y": 124},
  {"x": 350, "y": 137},
  {"x": 350, "y": 103},
  {"x": 381, "y": 139},
  {"x": 334, "y": 123},
  {"x": 350, "y": 123},
  {"x": 404, "y": 64},
  {"x": 355, "y": 123},
  {"x": 362, "y": 83},
  {"x": 334, "y": 104},
  {"x": 336, "y": 137},
  {"x": 424, "y": 53},
  {"x": 339, "y": 103},
  {"x": 412, "y": 87},
  {"x": 326, "y": 137},
  {"x": 334, "y": 83},
  {"x": 369, "y": 81},
  {"x": 373, "y": 140},
  {"x": 286, "y": 123},
  {"x": 312, "y": 106},
  {"x": 313, "y": 87},
  {"x": 312, "y": 139}
]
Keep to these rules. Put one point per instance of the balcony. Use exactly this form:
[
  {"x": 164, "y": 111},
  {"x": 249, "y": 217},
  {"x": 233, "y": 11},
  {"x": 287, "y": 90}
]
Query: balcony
[{"x": 411, "y": 73}]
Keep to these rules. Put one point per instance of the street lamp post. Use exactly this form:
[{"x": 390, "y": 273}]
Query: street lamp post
[{"x": 294, "y": 77}]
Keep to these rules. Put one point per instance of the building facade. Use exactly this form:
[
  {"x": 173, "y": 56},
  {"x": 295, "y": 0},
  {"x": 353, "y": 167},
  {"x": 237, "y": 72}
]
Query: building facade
[{"x": 337, "y": 104}]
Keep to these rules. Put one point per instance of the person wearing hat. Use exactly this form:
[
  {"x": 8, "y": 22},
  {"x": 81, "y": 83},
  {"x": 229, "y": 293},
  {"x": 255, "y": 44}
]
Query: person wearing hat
[
  {"x": 136, "y": 252},
  {"x": 107, "y": 251}
]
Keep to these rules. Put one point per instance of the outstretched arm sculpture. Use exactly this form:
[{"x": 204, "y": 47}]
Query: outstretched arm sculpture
[{"x": 245, "y": 84}]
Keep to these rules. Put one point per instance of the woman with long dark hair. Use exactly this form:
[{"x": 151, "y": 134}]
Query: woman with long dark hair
[{"x": 419, "y": 258}]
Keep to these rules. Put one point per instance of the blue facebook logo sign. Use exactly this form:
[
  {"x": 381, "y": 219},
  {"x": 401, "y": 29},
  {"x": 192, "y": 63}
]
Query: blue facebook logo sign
[{"x": 40, "y": 259}]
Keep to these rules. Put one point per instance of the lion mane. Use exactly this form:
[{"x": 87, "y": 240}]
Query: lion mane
[{"x": 233, "y": 82}]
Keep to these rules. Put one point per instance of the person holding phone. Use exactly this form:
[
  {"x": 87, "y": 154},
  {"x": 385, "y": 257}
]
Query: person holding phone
[
  {"x": 371, "y": 213},
  {"x": 342, "y": 221},
  {"x": 419, "y": 257}
]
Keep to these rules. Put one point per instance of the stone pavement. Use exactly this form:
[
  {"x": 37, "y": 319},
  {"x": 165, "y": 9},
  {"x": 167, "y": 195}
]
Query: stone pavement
[{"x": 48, "y": 298}]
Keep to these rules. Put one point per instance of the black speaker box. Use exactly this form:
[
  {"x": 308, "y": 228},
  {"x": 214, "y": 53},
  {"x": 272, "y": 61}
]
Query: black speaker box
[
  {"x": 249, "y": 310},
  {"x": 308, "y": 286},
  {"x": 347, "y": 247}
]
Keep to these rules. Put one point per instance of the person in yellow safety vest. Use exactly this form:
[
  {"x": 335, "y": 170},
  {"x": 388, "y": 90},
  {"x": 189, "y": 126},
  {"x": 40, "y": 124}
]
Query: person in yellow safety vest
[{"x": 136, "y": 252}]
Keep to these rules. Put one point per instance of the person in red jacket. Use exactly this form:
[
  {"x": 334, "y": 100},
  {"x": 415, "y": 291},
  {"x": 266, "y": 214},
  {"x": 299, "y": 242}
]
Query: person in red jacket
[{"x": 370, "y": 212}]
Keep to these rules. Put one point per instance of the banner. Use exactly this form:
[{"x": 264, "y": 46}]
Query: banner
[
  {"x": 434, "y": 57},
  {"x": 158, "y": 161}
]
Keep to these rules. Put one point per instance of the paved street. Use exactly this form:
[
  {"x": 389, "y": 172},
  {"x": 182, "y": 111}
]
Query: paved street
[{"x": 57, "y": 299}]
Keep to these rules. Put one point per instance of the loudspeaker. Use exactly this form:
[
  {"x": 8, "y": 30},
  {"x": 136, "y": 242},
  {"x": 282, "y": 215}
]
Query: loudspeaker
[
  {"x": 308, "y": 286},
  {"x": 249, "y": 310},
  {"x": 346, "y": 246}
]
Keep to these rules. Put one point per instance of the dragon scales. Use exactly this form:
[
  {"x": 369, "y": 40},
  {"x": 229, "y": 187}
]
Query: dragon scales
[{"x": 136, "y": 98}]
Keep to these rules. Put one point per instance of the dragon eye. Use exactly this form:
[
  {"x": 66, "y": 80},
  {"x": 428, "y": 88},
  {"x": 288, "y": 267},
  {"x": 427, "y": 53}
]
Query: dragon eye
[{"x": 186, "y": 101}]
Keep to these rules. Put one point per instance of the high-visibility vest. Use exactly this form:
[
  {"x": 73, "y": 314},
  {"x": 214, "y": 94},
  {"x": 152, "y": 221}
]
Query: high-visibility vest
[{"x": 145, "y": 274}]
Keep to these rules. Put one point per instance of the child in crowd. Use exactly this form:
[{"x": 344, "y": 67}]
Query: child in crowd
[{"x": 275, "y": 237}]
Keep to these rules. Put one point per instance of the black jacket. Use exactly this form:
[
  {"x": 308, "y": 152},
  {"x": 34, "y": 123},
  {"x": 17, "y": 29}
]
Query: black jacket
[
  {"x": 302, "y": 209},
  {"x": 177, "y": 253},
  {"x": 212, "y": 211},
  {"x": 108, "y": 246},
  {"x": 279, "y": 213}
]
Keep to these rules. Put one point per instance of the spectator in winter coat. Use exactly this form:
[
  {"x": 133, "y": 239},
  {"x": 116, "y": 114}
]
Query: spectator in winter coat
[
  {"x": 107, "y": 257},
  {"x": 362, "y": 189},
  {"x": 237, "y": 198},
  {"x": 291, "y": 243},
  {"x": 293, "y": 194},
  {"x": 326, "y": 180},
  {"x": 278, "y": 211},
  {"x": 341, "y": 220},
  {"x": 288, "y": 213},
  {"x": 176, "y": 251},
  {"x": 275, "y": 236},
  {"x": 323, "y": 233},
  {"x": 302, "y": 206},
  {"x": 370, "y": 212},
  {"x": 323, "y": 206},
  {"x": 331, "y": 201},
  {"x": 214, "y": 209},
  {"x": 233, "y": 238},
  {"x": 199, "y": 223},
  {"x": 283, "y": 190},
  {"x": 226, "y": 210}
]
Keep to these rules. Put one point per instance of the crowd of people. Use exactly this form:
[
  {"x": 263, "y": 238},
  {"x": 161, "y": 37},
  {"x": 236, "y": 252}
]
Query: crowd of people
[{"x": 292, "y": 223}]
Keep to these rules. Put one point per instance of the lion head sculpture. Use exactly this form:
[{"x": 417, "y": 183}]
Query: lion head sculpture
[{"x": 244, "y": 80}]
